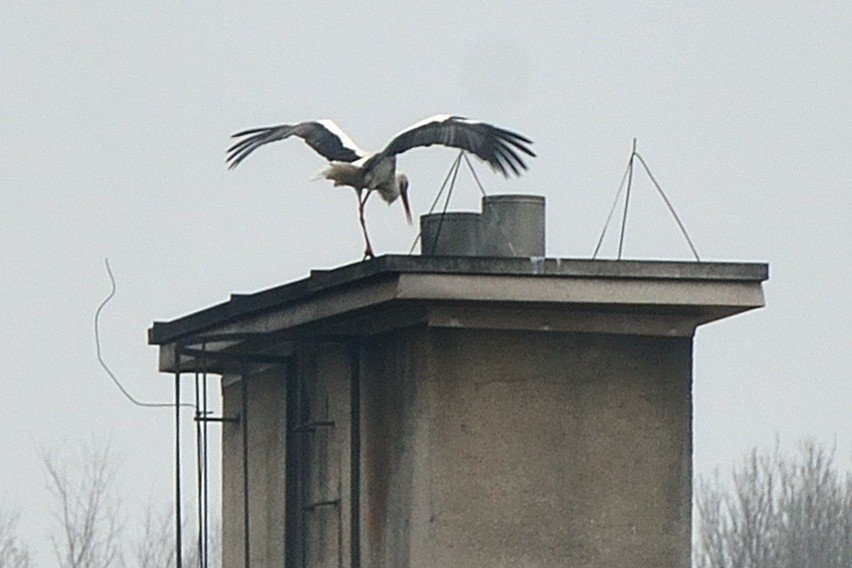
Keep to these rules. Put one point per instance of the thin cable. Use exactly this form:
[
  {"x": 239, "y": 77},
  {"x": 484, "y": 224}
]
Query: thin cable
[
  {"x": 626, "y": 200},
  {"x": 453, "y": 168},
  {"x": 435, "y": 202},
  {"x": 611, "y": 211},
  {"x": 446, "y": 203},
  {"x": 103, "y": 363},
  {"x": 671, "y": 208},
  {"x": 475, "y": 177}
]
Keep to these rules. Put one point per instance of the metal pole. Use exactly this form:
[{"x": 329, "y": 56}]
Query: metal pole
[
  {"x": 198, "y": 469},
  {"x": 244, "y": 422},
  {"x": 178, "y": 535},
  {"x": 626, "y": 199},
  {"x": 205, "y": 550}
]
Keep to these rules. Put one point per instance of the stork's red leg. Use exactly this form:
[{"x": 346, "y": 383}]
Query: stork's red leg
[{"x": 368, "y": 252}]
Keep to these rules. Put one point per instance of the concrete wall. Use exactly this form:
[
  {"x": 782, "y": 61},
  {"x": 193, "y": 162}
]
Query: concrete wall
[
  {"x": 267, "y": 439},
  {"x": 322, "y": 529},
  {"x": 501, "y": 448},
  {"x": 320, "y": 462},
  {"x": 478, "y": 448},
  {"x": 482, "y": 442}
]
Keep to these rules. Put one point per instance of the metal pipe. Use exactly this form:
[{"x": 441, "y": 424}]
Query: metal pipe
[
  {"x": 199, "y": 465},
  {"x": 206, "y": 524},
  {"x": 244, "y": 422},
  {"x": 235, "y": 419},
  {"x": 178, "y": 535}
]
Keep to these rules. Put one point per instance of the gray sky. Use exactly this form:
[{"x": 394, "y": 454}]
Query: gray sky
[{"x": 116, "y": 116}]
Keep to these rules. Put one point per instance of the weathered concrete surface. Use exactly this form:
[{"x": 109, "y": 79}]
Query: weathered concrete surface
[
  {"x": 496, "y": 448},
  {"x": 513, "y": 412},
  {"x": 267, "y": 443},
  {"x": 701, "y": 291},
  {"x": 322, "y": 525}
]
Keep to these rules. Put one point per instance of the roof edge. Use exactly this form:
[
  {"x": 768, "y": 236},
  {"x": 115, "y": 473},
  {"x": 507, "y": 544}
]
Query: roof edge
[{"x": 386, "y": 266}]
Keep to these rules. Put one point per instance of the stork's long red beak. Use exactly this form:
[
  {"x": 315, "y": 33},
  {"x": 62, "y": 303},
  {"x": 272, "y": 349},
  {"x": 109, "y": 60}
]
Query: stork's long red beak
[{"x": 404, "y": 196}]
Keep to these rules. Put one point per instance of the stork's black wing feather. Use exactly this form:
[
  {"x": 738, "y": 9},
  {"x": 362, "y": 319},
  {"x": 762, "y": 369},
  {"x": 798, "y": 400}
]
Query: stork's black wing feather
[
  {"x": 499, "y": 147},
  {"x": 324, "y": 136}
]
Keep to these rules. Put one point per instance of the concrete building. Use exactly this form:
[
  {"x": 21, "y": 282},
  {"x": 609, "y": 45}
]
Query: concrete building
[{"x": 442, "y": 411}]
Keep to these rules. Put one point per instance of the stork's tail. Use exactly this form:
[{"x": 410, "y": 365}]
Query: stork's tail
[{"x": 342, "y": 173}]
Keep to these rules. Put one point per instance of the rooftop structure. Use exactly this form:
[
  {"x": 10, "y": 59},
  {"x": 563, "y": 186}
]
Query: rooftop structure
[{"x": 433, "y": 411}]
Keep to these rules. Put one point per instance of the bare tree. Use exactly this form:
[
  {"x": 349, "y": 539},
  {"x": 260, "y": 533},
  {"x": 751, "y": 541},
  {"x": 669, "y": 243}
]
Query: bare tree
[
  {"x": 88, "y": 531},
  {"x": 86, "y": 510},
  {"x": 13, "y": 553},
  {"x": 156, "y": 546},
  {"x": 778, "y": 512}
]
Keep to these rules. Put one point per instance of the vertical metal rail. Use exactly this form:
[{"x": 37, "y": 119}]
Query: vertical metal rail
[
  {"x": 244, "y": 421},
  {"x": 205, "y": 550},
  {"x": 178, "y": 515},
  {"x": 355, "y": 457},
  {"x": 198, "y": 469},
  {"x": 202, "y": 418}
]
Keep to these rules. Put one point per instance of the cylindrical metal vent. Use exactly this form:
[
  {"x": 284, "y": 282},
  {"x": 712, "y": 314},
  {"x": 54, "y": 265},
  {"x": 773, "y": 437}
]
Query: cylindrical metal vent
[
  {"x": 512, "y": 225},
  {"x": 450, "y": 234}
]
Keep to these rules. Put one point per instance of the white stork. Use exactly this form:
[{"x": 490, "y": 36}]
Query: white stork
[{"x": 352, "y": 166}]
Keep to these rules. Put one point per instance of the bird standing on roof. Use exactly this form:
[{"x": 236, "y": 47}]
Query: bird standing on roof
[{"x": 361, "y": 170}]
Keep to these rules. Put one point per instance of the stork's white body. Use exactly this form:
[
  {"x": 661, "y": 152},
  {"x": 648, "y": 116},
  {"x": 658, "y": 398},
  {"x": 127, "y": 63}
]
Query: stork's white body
[{"x": 381, "y": 177}]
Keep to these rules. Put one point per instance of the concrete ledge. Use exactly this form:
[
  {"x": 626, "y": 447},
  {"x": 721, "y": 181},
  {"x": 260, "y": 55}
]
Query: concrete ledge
[{"x": 639, "y": 297}]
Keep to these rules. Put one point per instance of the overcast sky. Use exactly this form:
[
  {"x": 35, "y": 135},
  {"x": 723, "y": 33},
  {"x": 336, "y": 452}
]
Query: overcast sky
[{"x": 115, "y": 118}]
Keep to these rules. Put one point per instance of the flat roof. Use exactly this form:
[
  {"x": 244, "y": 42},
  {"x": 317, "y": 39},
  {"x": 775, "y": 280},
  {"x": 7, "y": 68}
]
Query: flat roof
[{"x": 389, "y": 267}]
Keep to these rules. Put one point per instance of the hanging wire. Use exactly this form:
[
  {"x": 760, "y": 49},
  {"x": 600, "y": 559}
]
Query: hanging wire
[
  {"x": 201, "y": 411},
  {"x": 106, "y": 368},
  {"x": 200, "y": 437}
]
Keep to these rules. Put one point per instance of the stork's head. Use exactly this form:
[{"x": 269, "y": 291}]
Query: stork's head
[{"x": 402, "y": 184}]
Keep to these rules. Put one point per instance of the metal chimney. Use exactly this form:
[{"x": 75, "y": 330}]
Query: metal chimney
[
  {"x": 512, "y": 225},
  {"x": 450, "y": 234},
  {"x": 509, "y": 225}
]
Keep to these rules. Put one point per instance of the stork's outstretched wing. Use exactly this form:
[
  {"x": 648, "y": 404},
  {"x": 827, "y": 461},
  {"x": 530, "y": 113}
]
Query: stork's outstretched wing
[
  {"x": 324, "y": 136},
  {"x": 499, "y": 147}
]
